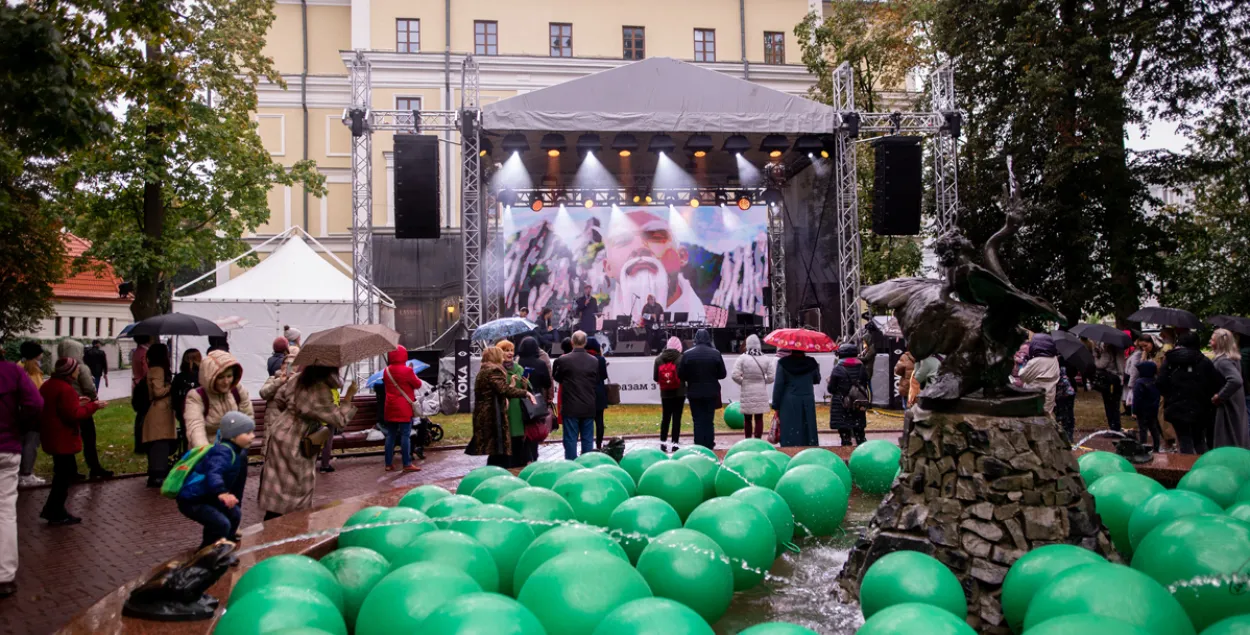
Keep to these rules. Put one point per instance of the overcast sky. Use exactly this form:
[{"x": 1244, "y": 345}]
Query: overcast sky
[{"x": 1158, "y": 135}]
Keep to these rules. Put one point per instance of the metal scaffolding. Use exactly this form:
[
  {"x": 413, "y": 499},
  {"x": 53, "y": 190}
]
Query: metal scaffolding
[
  {"x": 471, "y": 224},
  {"x": 777, "y": 266}
]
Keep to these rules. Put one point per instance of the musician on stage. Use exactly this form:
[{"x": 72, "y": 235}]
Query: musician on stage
[
  {"x": 642, "y": 258},
  {"x": 586, "y": 309},
  {"x": 652, "y": 318}
]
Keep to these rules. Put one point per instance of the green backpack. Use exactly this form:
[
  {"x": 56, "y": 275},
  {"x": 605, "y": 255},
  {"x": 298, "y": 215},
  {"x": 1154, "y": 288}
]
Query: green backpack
[{"x": 177, "y": 477}]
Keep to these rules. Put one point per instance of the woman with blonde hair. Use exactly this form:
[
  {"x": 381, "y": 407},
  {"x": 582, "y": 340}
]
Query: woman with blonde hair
[
  {"x": 1230, "y": 401},
  {"x": 492, "y": 433}
]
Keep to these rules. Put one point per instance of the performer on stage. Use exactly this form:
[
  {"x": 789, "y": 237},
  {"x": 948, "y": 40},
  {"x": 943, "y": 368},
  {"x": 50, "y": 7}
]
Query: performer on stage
[
  {"x": 585, "y": 309},
  {"x": 652, "y": 316},
  {"x": 642, "y": 259}
]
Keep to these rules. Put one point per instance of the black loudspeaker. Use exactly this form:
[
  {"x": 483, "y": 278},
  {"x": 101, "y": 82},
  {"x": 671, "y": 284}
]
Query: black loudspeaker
[
  {"x": 630, "y": 348},
  {"x": 897, "y": 186},
  {"x": 417, "y": 193}
]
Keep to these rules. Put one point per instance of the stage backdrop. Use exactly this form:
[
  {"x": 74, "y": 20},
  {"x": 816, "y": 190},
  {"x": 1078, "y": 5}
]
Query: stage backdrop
[{"x": 706, "y": 262}]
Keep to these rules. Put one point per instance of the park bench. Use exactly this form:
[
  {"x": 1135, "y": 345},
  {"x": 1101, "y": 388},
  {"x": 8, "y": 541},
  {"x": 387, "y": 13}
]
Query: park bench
[{"x": 355, "y": 435}]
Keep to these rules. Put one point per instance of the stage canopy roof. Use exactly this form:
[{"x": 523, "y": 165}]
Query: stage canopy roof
[{"x": 660, "y": 94}]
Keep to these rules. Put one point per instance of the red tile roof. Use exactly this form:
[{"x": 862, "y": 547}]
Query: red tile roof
[{"x": 97, "y": 282}]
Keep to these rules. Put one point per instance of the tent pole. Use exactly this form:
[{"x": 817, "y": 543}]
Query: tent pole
[{"x": 246, "y": 253}]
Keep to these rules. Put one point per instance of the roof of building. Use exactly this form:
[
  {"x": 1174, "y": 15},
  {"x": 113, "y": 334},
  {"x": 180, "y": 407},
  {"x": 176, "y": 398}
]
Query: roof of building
[{"x": 96, "y": 282}]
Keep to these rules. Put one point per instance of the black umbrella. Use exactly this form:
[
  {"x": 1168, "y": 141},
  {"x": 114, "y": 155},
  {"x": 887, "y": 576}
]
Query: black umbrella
[
  {"x": 1164, "y": 316},
  {"x": 1238, "y": 325},
  {"x": 176, "y": 324},
  {"x": 1073, "y": 351},
  {"x": 1101, "y": 333}
]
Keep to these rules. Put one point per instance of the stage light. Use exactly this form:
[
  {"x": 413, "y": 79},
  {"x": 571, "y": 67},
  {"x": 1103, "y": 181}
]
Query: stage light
[
  {"x": 699, "y": 144},
  {"x": 589, "y": 143},
  {"x": 515, "y": 142},
  {"x": 772, "y": 196},
  {"x": 850, "y": 123},
  {"x": 694, "y": 202},
  {"x": 824, "y": 154},
  {"x": 809, "y": 144},
  {"x": 553, "y": 152},
  {"x": 736, "y": 144},
  {"x": 637, "y": 198},
  {"x": 588, "y": 203},
  {"x": 537, "y": 203},
  {"x": 507, "y": 197},
  {"x": 625, "y": 144},
  {"x": 648, "y": 199},
  {"x": 775, "y": 145},
  {"x": 624, "y": 153},
  {"x": 553, "y": 143},
  {"x": 744, "y": 203},
  {"x": 661, "y": 143},
  {"x": 486, "y": 147}
]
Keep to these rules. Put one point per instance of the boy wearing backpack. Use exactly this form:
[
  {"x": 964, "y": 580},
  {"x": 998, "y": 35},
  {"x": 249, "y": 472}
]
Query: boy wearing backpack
[
  {"x": 672, "y": 391},
  {"x": 212, "y": 491},
  {"x": 848, "y": 396}
]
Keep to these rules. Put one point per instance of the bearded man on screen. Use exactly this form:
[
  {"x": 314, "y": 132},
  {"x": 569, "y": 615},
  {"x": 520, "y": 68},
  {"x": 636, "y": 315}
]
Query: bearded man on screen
[{"x": 643, "y": 259}]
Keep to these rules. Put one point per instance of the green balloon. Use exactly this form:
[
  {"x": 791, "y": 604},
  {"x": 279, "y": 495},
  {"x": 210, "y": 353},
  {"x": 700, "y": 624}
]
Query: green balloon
[
  {"x": 1216, "y": 482},
  {"x": 777, "y": 628},
  {"x": 365, "y": 515},
  {"x": 733, "y": 416},
  {"x": 1110, "y": 590},
  {"x": 780, "y": 459},
  {"x": 1240, "y": 511},
  {"x": 621, "y": 476},
  {"x": 299, "y": 630},
  {"x": 1085, "y": 624},
  {"x": 390, "y": 540},
  {"x": 482, "y": 614},
  {"x": 653, "y": 615},
  {"x": 1116, "y": 497},
  {"x": 743, "y": 532},
  {"x": 451, "y": 507},
  {"x": 1165, "y": 507},
  {"x": 910, "y": 618},
  {"x": 637, "y": 461},
  {"x": 572, "y": 593},
  {"x": 817, "y": 498},
  {"x": 1095, "y": 465},
  {"x": 476, "y": 476},
  {"x": 288, "y": 570},
  {"x": 550, "y": 472},
  {"x": 357, "y": 570},
  {"x": 688, "y": 567},
  {"x": 745, "y": 469},
  {"x": 595, "y": 459},
  {"x": 526, "y": 471},
  {"x": 592, "y": 494},
  {"x": 575, "y": 539},
  {"x": 1243, "y": 494},
  {"x": 1239, "y": 625},
  {"x": 902, "y": 577},
  {"x": 874, "y": 466},
  {"x": 495, "y": 488},
  {"x": 674, "y": 483},
  {"x": 1035, "y": 570},
  {"x": 823, "y": 458},
  {"x": 774, "y": 507},
  {"x": 1206, "y": 546},
  {"x": 750, "y": 445},
  {"x": 456, "y": 550},
  {"x": 1232, "y": 457},
  {"x": 645, "y": 515},
  {"x": 505, "y": 540},
  {"x": 421, "y": 497},
  {"x": 696, "y": 449},
  {"x": 706, "y": 469},
  {"x": 536, "y": 503},
  {"x": 278, "y": 608},
  {"x": 408, "y": 595}
]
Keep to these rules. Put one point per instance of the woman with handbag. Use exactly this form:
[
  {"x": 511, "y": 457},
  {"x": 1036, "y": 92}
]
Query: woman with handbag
[
  {"x": 520, "y": 456},
  {"x": 492, "y": 431},
  {"x": 398, "y": 411},
  {"x": 538, "y": 372},
  {"x": 753, "y": 372}
]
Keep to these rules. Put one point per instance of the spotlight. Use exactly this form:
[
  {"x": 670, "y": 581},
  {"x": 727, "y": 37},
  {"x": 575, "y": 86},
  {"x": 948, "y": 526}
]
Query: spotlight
[
  {"x": 648, "y": 199},
  {"x": 694, "y": 202},
  {"x": 537, "y": 204},
  {"x": 357, "y": 118},
  {"x": 624, "y": 153},
  {"x": 775, "y": 145},
  {"x": 486, "y": 147},
  {"x": 589, "y": 202},
  {"x": 625, "y": 144},
  {"x": 809, "y": 144},
  {"x": 507, "y": 197},
  {"x": 553, "y": 143},
  {"x": 588, "y": 143},
  {"x": 736, "y": 144},
  {"x": 638, "y": 199},
  {"x": 824, "y": 154},
  {"x": 661, "y": 143},
  {"x": 772, "y": 196},
  {"x": 699, "y": 144},
  {"x": 515, "y": 142},
  {"x": 553, "y": 152},
  {"x": 954, "y": 121},
  {"x": 721, "y": 197},
  {"x": 850, "y": 123},
  {"x": 744, "y": 203}
]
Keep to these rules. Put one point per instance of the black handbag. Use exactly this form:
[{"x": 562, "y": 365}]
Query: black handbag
[{"x": 536, "y": 410}]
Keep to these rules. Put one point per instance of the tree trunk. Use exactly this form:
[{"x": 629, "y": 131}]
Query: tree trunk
[{"x": 148, "y": 280}]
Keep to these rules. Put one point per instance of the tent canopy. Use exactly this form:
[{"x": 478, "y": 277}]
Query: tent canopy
[
  {"x": 292, "y": 273},
  {"x": 660, "y": 94}
]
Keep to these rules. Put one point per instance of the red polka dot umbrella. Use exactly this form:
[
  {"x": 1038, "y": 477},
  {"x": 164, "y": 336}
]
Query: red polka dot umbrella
[{"x": 801, "y": 340}]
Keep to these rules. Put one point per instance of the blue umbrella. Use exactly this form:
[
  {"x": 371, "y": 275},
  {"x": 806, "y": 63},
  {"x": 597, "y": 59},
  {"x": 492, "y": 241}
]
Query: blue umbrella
[
  {"x": 502, "y": 328},
  {"x": 415, "y": 364}
]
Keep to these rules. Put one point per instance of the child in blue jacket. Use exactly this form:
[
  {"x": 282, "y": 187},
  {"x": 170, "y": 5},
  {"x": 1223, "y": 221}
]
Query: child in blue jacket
[
  {"x": 1146, "y": 404},
  {"x": 213, "y": 491}
]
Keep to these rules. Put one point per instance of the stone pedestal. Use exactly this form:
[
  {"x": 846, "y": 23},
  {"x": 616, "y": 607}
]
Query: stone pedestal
[{"x": 977, "y": 492}]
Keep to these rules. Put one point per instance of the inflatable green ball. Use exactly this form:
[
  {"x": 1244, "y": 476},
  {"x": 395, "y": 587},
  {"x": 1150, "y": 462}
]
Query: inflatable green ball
[
  {"x": 817, "y": 498},
  {"x": 288, "y": 570},
  {"x": 874, "y": 466},
  {"x": 1116, "y": 497},
  {"x": 780, "y": 459},
  {"x": 595, "y": 459},
  {"x": 696, "y": 449},
  {"x": 1165, "y": 507},
  {"x": 637, "y": 461},
  {"x": 743, "y": 532},
  {"x": 688, "y": 567},
  {"x": 912, "y": 618},
  {"x": 1034, "y": 570},
  {"x": 477, "y": 476},
  {"x": 1240, "y": 511},
  {"x": 390, "y": 540},
  {"x": 1239, "y": 625},
  {"x": 639, "y": 519},
  {"x": 653, "y": 615},
  {"x": 526, "y": 471},
  {"x": 745, "y": 469},
  {"x": 364, "y": 516},
  {"x": 823, "y": 458},
  {"x": 1216, "y": 482},
  {"x": 544, "y": 505},
  {"x": 1110, "y": 590},
  {"x": 357, "y": 570},
  {"x": 401, "y": 601},
  {"x": 706, "y": 469},
  {"x": 750, "y": 445},
  {"x": 572, "y": 593},
  {"x": 550, "y": 472},
  {"x": 620, "y": 475},
  {"x": 1243, "y": 494},
  {"x": 299, "y": 630},
  {"x": 505, "y": 540},
  {"x": 674, "y": 483},
  {"x": 456, "y": 550},
  {"x": 910, "y": 576},
  {"x": 1085, "y": 624},
  {"x": 774, "y": 507},
  {"x": 451, "y": 507},
  {"x": 777, "y": 628},
  {"x": 482, "y": 613},
  {"x": 493, "y": 489},
  {"x": 578, "y": 539},
  {"x": 592, "y": 494},
  {"x": 733, "y": 416},
  {"x": 421, "y": 497},
  {"x": 1205, "y": 546},
  {"x": 279, "y": 608},
  {"x": 1095, "y": 465},
  {"x": 1232, "y": 457}
]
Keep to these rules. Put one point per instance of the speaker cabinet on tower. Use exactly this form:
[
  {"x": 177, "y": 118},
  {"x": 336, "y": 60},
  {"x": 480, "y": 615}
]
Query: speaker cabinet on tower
[
  {"x": 417, "y": 194},
  {"x": 896, "y": 187}
]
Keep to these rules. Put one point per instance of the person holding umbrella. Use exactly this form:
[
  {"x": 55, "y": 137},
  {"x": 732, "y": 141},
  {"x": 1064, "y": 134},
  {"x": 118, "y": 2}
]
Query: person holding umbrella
[{"x": 794, "y": 399}]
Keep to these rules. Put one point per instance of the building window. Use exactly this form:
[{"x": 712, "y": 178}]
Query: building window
[
  {"x": 561, "y": 39},
  {"x": 84, "y": 327},
  {"x": 71, "y": 327},
  {"x": 635, "y": 42},
  {"x": 97, "y": 326},
  {"x": 485, "y": 37},
  {"x": 774, "y": 47},
  {"x": 408, "y": 35},
  {"x": 705, "y": 45},
  {"x": 408, "y": 103},
  {"x": 57, "y": 328},
  {"x": 110, "y": 327}
]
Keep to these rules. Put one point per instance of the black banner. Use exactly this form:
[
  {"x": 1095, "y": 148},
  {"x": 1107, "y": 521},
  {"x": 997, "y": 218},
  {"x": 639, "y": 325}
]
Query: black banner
[{"x": 463, "y": 358}]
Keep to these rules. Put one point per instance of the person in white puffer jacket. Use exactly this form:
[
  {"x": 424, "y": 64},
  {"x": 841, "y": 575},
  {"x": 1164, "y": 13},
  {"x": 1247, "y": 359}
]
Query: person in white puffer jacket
[{"x": 753, "y": 372}]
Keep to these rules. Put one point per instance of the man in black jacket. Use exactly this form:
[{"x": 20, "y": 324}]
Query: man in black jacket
[
  {"x": 1188, "y": 382},
  {"x": 577, "y": 374},
  {"x": 586, "y": 309},
  {"x": 701, "y": 368}
]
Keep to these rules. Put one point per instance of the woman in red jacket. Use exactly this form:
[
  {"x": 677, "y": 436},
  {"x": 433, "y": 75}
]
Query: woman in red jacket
[
  {"x": 397, "y": 413},
  {"x": 62, "y": 411}
]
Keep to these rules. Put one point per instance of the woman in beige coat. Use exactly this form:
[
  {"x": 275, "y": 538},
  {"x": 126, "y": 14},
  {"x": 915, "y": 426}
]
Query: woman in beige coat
[
  {"x": 159, "y": 431},
  {"x": 219, "y": 393}
]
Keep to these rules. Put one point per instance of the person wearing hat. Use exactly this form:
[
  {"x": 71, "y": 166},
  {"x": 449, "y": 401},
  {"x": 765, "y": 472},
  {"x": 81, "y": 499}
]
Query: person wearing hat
[
  {"x": 212, "y": 494},
  {"x": 59, "y": 432},
  {"x": 292, "y": 335},
  {"x": 280, "y": 348},
  {"x": 848, "y": 374}
]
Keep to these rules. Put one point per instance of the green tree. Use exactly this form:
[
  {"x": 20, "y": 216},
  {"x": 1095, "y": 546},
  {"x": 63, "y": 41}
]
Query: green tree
[{"x": 185, "y": 175}]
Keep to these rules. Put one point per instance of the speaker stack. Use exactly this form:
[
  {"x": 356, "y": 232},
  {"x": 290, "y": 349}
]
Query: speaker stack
[
  {"x": 417, "y": 194},
  {"x": 896, "y": 188}
]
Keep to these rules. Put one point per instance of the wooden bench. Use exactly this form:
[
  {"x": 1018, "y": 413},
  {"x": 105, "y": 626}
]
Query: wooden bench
[{"x": 353, "y": 436}]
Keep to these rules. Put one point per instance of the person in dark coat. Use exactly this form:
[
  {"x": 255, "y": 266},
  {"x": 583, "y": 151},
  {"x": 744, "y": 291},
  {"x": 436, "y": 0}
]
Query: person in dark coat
[
  {"x": 577, "y": 373},
  {"x": 672, "y": 391},
  {"x": 491, "y": 430},
  {"x": 97, "y": 362},
  {"x": 530, "y": 359},
  {"x": 1229, "y": 424},
  {"x": 601, "y": 389},
  {"x": 280, "y": 347},
  {"x": 59, "y": 433},
  {"x": 187, "y": 380},
  {"x": 1188, "y": 382},
  {"x": 586, "y": 308},
  {"x": 847, "y": 373},
  {"x": 794, "y": 399},
  {"x": 546, "y": 330},
  {"x": 701, "y": 368},
  {"x": 212, "y": 494},
  {"x": 1146, "y": 403}
]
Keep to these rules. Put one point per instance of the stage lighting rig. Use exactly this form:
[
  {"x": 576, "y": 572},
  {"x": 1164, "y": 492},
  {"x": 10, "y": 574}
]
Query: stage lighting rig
[
  {"x": 515, "y": 142},
  {"x": 625, "y": 144},
  {"x": 486, "y": 147},
  {"x": 699, "y": 145},
  {"x": 736, "y": 144},
  {"x": 772, "y": 196},
  {"x": 661, "y": 143},
  {"x": 553, "y": 143},
  {"x": 507, "y": 197},
  {"x": 537, "y": 204},
  {"x": 809, "y": 144},
  {"x": 775, "y": 145},
  {"x": 588, "y": 143}
]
